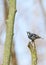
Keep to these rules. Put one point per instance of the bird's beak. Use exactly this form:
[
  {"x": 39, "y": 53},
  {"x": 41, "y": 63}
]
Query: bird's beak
[{"x": 27, "y": 32}]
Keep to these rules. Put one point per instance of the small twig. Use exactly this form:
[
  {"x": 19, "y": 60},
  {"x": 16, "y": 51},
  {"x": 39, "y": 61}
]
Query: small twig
[{"x": 33, "y": 51}]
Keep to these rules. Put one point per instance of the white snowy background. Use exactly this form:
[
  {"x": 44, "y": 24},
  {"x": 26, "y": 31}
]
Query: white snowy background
[{"x": 30, "y": 16}]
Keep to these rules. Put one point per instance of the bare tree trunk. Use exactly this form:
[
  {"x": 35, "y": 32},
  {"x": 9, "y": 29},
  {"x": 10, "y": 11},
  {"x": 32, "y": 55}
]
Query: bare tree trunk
[{"x": 13, "y": 55}]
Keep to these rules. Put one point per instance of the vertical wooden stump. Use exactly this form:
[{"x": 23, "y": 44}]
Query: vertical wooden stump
[{"x": 33, "y": 51}]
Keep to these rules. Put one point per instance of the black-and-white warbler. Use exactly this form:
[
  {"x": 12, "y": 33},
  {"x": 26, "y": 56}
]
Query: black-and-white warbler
[{"x": 33, "y": 36}]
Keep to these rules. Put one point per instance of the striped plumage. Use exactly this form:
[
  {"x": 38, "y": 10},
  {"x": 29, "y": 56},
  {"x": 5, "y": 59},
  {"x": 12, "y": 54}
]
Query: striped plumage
[{"x": 32, "y": 36}]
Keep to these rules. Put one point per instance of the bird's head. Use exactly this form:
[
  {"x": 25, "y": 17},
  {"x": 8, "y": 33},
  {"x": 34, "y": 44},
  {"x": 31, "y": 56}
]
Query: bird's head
[{"x": 28, "y": 33}]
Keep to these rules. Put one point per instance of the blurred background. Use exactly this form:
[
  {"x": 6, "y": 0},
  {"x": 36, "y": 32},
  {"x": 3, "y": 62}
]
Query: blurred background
[{"x": 30, "y": 16}]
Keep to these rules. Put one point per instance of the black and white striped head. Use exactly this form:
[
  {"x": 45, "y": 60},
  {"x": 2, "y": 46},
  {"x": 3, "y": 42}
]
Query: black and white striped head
[{"x": 29, "y": 34}]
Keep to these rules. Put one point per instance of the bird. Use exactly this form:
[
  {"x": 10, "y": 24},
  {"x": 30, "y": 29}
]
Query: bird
[{"x": 33, "y": 36}]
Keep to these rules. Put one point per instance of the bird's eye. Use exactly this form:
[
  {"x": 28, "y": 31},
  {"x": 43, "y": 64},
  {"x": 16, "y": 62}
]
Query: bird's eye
[{"x": 28, "y": 34}]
